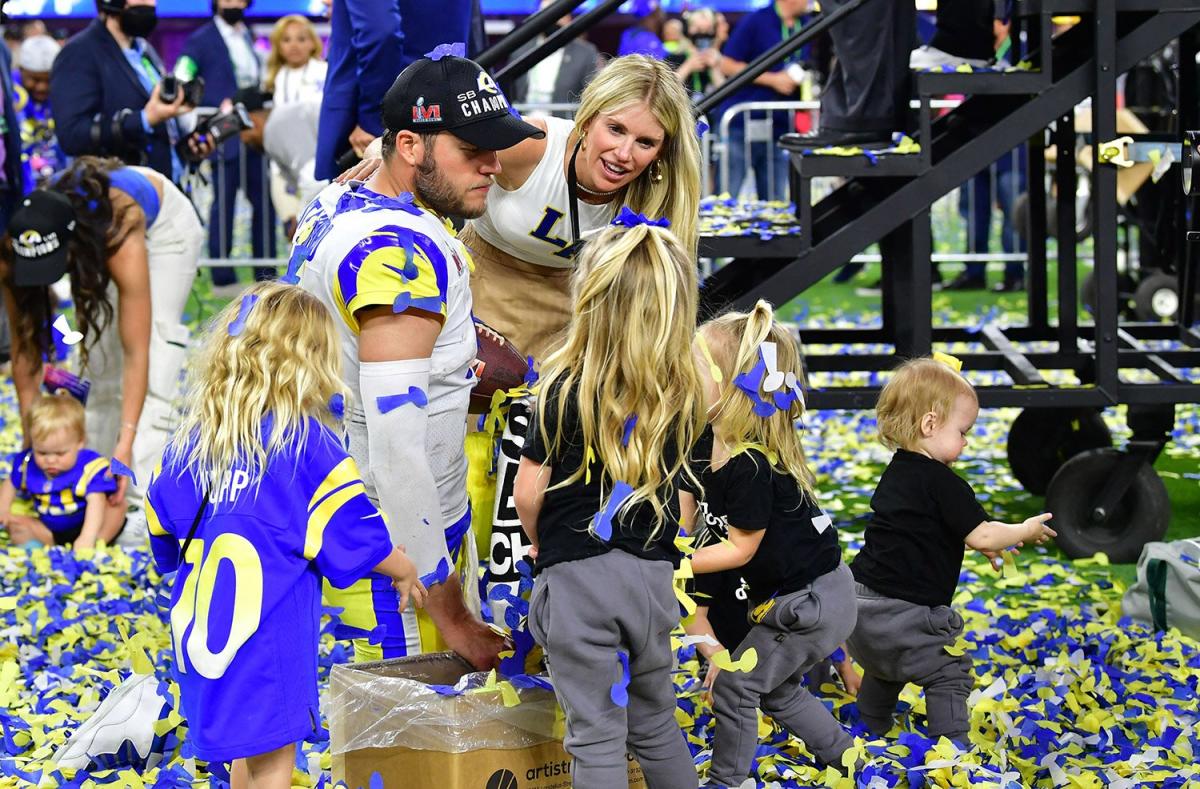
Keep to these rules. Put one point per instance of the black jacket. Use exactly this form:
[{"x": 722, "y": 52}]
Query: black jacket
[{"x": 98, "y": 99}]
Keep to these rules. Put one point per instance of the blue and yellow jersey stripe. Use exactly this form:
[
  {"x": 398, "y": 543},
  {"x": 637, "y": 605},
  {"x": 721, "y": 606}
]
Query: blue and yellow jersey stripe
[
  {"x": 341, "y": 484},
  {"x": 389, "y": 263}
]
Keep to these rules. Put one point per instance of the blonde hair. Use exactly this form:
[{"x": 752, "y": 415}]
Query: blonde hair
[
  {"x": 733, "y": 340},
  {"x": 917, "y": 387},
  {"x": 635, "y": 79},
  {"x": 275, "y": 57},
  {"x": 627, "y": 353},
  {"x": 53, "y": 412},
  {"x": 286, "y": 361}
]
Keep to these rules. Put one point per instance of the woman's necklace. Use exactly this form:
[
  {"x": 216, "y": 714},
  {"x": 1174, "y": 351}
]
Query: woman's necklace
[{"x": 587, "y": 191}]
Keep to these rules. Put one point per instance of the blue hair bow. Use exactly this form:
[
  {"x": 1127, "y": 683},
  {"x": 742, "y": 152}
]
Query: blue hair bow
[
  {"x": 456, "y": 50},
  {"x": 627, "y": 217}
]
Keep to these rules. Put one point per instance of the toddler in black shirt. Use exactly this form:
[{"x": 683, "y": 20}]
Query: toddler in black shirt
[
  {"x": 906, "y": 574},
  {"x": 800, "y": 593}
]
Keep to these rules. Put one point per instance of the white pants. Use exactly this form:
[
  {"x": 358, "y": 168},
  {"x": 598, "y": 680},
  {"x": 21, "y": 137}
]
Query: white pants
[{"x": 174, "y": 243}]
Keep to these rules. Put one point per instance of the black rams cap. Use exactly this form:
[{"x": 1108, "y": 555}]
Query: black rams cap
[
  {"x": 41, "y": 229},
  {"x": 456, "y": 95}
]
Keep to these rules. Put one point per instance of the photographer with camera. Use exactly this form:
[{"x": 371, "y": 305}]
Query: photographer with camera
[
  {"x": 106, "y": 93},
  {"x": 701, "y": 69},
  {"x": 221, "y": 53}
]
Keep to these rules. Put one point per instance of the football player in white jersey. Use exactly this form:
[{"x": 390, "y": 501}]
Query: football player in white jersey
[{"x": 383, "y": 257}]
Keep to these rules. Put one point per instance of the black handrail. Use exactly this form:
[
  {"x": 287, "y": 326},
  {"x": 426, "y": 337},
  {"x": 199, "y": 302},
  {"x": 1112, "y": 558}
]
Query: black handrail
[
  {"x": 557, "y": 40},
  {"x": 533, "y": 27},
  {"x": 774, "y": 55}
]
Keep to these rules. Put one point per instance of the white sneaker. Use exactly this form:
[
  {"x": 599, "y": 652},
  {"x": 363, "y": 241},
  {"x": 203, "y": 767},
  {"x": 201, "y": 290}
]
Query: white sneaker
[
  {"x": 928, "y": 58},
  {"x": 230, "y": 291},
  {"x": 136, "y": 533}
]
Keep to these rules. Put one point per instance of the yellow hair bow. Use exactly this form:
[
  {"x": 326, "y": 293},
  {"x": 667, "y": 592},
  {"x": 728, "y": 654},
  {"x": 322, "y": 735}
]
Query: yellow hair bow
[{"x": 953, "y": 362}]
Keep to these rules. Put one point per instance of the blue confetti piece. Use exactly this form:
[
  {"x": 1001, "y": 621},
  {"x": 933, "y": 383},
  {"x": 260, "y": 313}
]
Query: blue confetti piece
[
  {"x": 701, "y": 128},
  {"x": 630, "y": 423},
  {"x": 239, "y": 323},
  {"x": 602, "y": 524},
  {"x": 619, "y": 692},
  {"x": 377, "y": 635},
  {"x": 838, "y": 655},
  {"x": 120, "y": 469},
  {"x": 457, "y": 50},
  {"x": 404, "y": 301},
  {"x": 872, "y": 157},
  {"x": 439, "y": 575},
  {"x": 337, "y": 406},
  {"x": 415, "y": 395},
  {"x": 531, "y": 375}
]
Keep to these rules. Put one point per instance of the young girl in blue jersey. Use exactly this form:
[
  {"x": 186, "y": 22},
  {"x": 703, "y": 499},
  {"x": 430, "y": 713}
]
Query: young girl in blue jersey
[
  {"x": 617, "y": 414},
  {"x": 800, "y": 594},
  {"x": 63, "y": 483},
  {"x": 258, "y": 485}
]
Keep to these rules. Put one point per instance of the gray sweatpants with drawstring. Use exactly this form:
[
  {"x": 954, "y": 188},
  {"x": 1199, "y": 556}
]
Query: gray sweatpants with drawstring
[
  {"x": 582, "y": 612},
  {"x": 897, "y": 642},
  {"x": 800, "y": 630}
]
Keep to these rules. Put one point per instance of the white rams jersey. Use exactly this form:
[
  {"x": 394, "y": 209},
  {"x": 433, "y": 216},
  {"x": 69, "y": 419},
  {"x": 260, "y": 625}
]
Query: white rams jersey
[{"x": 367, "y": 250}]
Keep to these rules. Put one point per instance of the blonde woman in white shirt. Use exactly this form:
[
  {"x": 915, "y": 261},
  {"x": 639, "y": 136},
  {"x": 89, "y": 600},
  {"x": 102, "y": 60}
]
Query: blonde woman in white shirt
[{"x": 295, "y": 74}]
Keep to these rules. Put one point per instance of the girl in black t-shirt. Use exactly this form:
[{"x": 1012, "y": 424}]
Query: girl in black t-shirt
[
  {"x": 801, "y": 596},
  {"x": 620, "y": 407}
]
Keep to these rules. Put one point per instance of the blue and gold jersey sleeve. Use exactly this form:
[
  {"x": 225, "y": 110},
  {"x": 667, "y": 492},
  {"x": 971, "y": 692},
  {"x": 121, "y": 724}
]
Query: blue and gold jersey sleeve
[
  {"x": 394, "y": 266},
  {"x": 345, "y": 534},
  {"x": 94, "y": 476},
  {"x": 163, "y": 544}
]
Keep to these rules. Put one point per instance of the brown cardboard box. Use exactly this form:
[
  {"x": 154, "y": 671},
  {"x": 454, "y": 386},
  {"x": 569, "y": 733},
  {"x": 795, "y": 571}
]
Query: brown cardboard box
[{"x": 384, "y": 718}]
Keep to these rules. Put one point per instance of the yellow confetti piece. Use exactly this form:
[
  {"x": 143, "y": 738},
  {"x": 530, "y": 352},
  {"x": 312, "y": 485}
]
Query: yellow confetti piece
[
  {"x": 509, "y": 694},
  {"x": 746, "y": 663},
  {"x": 685, "y": 600},
  {"x": 761, "y": 610},
  {"x": 958, "y": 648},
  {"x": 8, "y": 603}
]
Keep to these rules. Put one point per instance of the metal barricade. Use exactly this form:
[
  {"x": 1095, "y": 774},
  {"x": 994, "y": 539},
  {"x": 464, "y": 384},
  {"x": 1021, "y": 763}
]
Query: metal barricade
[{"x": 234, "y": 234}]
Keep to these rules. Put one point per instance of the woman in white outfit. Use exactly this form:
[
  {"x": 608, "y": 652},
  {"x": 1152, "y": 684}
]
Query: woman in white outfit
[
  {"x": 131, "y": 249},
  {"x": 632, "y": 144}
]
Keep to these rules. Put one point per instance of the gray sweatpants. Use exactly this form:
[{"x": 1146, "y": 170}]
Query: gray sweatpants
[
  {"x": 897, "y": 642},
  {"x": 582, "y": 612},
  {"x": 799, "y": 631}
]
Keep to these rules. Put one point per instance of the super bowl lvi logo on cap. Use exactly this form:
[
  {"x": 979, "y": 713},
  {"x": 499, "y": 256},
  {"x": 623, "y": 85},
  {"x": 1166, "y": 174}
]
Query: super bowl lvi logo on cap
[
  {"x": 40, "y": 231},
  {"x": 32, "y": 244}
]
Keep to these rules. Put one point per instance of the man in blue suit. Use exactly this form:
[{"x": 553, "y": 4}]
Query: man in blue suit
[
  {"x": 222, "y": 52},
  {"x": 104, "y": 90},
  {"x": 370, "y": 42}
]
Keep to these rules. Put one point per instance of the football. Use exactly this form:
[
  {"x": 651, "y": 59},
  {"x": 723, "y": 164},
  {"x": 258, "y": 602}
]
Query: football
[{"x": 498, "y": 366}]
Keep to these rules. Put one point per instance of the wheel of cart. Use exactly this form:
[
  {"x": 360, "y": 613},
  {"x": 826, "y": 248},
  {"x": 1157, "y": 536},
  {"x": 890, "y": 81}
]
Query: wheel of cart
[
  {"x": 1156, "y": 297},
  {"x": 1109, "y": 501},
  {"x": 1041, "y": 440}
]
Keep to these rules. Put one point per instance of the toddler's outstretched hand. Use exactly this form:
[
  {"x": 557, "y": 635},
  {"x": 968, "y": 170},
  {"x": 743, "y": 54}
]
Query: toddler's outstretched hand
[{"x": 1037, "y": 529}]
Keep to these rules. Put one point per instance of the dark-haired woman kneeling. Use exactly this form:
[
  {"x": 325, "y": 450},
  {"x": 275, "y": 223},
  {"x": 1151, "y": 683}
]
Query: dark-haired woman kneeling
[{"x": 129, "y": 241}]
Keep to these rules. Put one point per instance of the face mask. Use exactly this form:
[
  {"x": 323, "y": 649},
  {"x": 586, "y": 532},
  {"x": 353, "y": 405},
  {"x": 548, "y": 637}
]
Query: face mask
[
  {"x": 138, "y": 21},
  {"x": 233, "y": 15}
]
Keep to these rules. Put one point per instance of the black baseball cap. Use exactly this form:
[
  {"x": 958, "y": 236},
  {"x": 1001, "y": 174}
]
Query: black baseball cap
[
  {"x": 41, "y": 230},
  {"x": 454, "y": 94}
]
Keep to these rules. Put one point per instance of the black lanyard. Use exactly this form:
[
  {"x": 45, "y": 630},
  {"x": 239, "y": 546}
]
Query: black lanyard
[{"x": 573, "y": 193}]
